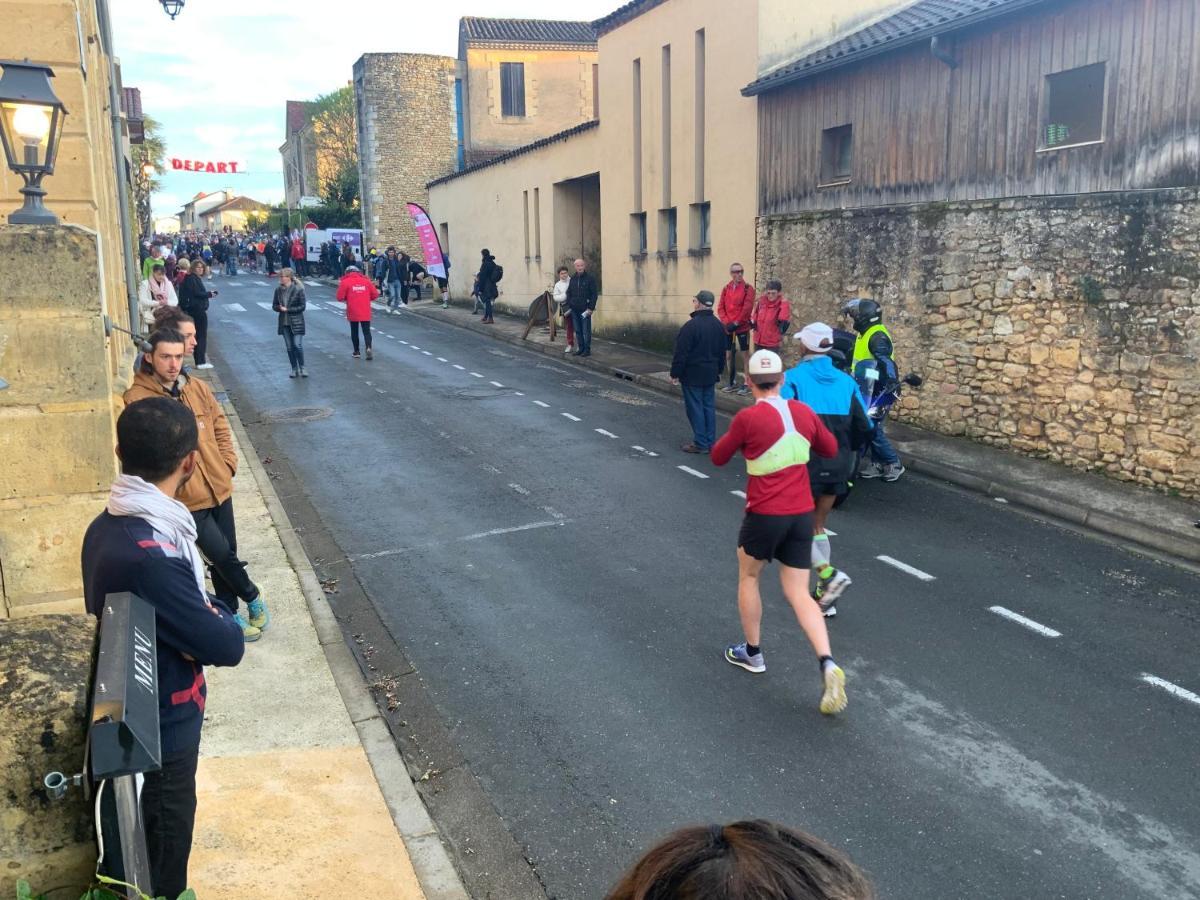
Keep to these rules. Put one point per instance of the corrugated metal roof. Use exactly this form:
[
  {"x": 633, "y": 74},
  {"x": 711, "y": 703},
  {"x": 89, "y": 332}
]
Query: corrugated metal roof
[
  {"x": 913, "y": 23},
  {"x": 526, "y": 31}
]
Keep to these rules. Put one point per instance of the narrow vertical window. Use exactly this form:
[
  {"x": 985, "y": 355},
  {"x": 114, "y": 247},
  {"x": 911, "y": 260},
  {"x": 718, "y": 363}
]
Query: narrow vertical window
[
  {"x": 595, "y": 90},
  {"x": 699, "y": 115},
  {"x": 837, "y": 154},
  {"x": 637, "y": 135},
  {"x": 512, "y": 89},
  {"x": 666, "y": 125},
  {"x": 525, "y": 198},
  {"x": 537, "y": 223}
]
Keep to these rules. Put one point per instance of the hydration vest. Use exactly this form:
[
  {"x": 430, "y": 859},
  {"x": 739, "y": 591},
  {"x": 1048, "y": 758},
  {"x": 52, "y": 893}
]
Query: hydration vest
[{"x": 792, "y": 449}]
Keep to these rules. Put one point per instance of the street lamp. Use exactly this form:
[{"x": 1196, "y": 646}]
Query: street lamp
[
  {"x": 148, "y": 170},
  {"x": 172, "y": 7},
  {"x": 31, "y": 121}
]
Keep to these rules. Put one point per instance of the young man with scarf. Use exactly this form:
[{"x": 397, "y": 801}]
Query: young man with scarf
[
  {"x": 209, "y": 494},
  {"x": 145, "y": 543}
]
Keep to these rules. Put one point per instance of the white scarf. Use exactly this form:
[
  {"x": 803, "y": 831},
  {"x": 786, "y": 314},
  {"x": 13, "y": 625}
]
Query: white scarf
[{"x": 131, "y": 496}]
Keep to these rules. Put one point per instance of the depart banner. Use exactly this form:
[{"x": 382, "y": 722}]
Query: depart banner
[
  {"x": 431, "y": 247},
  {"x": 201, "y": 165}
]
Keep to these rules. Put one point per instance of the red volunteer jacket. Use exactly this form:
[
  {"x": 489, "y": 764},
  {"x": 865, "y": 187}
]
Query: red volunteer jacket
[
  {"x": 357, "y": 291},
  {"x": 736, "y": 305},
  {"x": 767, "y": 316}
]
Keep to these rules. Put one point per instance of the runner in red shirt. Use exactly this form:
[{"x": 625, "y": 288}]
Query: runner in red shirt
[
  {"x": 357, "y": 291},
  {"x": 776, "y": 437}
]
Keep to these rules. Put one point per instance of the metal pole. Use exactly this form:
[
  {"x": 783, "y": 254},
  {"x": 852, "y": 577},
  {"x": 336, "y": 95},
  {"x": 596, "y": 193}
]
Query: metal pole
[{"x": 114, "y": 103}]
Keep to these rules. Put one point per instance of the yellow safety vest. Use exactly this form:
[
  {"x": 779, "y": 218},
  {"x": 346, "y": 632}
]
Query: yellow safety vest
[
  {"x": 790, "y": 450},
  {"x": 861, "y": 349}
]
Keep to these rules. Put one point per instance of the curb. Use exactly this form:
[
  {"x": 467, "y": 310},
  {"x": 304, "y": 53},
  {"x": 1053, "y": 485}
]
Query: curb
[
  {"x": 434, "y": 869},
  {"x": 1135, "y": 536}
]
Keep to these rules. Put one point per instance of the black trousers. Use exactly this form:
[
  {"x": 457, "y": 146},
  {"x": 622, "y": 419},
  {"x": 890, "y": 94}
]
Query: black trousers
[
  {"x": 201, "y": 351},
  {"x": 216, "y": 536},
  {"x": 169, "y": 816},
  {"x": 366, "y": 330}
]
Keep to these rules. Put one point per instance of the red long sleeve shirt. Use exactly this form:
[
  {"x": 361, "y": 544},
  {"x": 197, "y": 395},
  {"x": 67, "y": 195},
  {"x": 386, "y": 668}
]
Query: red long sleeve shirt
[{"x": 754, "y": 431}]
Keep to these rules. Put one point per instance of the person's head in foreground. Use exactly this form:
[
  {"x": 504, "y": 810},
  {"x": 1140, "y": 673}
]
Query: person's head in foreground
[{"x": 751, "y": 860}]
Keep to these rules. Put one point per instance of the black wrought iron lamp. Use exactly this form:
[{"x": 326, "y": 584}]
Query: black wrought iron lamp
[
  {"x": 172, "y": 7},
  {"x": 31, "y": 122}
]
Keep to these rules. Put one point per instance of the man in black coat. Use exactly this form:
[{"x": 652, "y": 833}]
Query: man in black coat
[
  {"x": 697, "y": 365},
  {"x": 582, "y": 294}
]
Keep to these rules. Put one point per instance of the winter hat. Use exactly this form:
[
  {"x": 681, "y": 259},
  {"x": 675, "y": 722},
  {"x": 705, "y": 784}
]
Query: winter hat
[{"x": 816, "y": 337}]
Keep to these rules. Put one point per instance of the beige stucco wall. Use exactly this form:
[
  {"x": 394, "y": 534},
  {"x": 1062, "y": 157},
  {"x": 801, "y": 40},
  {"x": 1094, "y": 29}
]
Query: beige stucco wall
[
  {"x": 558, "y": 95},
  {"x": 651, "y": 294},
  {"x": 57, "y": 417},
  {"x": 787, "y": 29},
  {"x": 487, "y": 209}
]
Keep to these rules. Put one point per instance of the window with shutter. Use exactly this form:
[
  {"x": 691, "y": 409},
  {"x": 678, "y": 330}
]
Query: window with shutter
[{"x": 512, "y": 89}]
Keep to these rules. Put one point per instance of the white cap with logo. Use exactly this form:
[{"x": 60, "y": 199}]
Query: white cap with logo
[{"x": 764, "y": 362}]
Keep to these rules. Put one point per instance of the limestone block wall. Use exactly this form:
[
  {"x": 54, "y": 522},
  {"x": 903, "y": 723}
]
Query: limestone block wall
[
  {"x": 57, "y": 418},
  {"x": 1064, "y": 327},
  {"x": 405, "y": 104}
]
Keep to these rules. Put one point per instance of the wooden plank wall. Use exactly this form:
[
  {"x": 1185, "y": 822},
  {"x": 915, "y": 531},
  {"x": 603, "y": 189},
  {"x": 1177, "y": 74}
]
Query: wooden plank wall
[{"x": 923, "y": 131}]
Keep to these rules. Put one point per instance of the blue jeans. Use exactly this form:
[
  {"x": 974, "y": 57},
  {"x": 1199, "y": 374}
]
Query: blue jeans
[
  {"x": 880, "y": 449},
  {"x": 583, "y": 332},
  {"x": 393, "y": 293},
  {"x": 701, "y": 405},
  {"x": 295, "y": 347},
  {"x": 231, "y": 265}
]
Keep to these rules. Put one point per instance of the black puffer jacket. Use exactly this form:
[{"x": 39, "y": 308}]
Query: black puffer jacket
[
  {"x": 193, "y": 295},
  {"x": 700, "y": 348},
  {"x": 290, "y": 303}
]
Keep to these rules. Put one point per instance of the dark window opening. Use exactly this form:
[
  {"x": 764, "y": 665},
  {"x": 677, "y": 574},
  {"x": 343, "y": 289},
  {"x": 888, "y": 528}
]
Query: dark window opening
[
  {"x": 668, "y": 229},
  {"x": 595, "y": 91},
  {"x": 637, "y": 234},
  {"x": 837, "y": 154},
  {"x": 701, "y": 221},
  {"x": 512, "y": 89},
  {"x": 1074, "y": 106}
]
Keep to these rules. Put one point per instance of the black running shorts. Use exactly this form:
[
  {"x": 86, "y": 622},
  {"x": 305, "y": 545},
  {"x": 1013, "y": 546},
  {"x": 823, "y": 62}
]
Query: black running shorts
[
  {"x": 743, "y": 340},
  {"x": 785, "y": 538}
]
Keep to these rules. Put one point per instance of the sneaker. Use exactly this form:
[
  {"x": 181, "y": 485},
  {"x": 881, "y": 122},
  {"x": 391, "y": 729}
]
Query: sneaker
[
  {"x": 833, "y": 700},
  {"x": 568, "y": 349},
  {"x": 370, "y": 353},
  {"x": 830, "y": 587},
  {"x": 893, "y": 471},
  {"x": 260, "y": 616},
  {"x": 356, "y": 355},
  {"x": 871, "y": 470},
  {"x": 295, "y": 373},
  {"x": 728, "y": 389},
  {"x": 250, "y": 634},
  {"x": 738, "y": 656},
  {"x": 830, "y": 613},
  {"x": 689, "y": 447},
  {"x": 205, "y": 366},
  {"x": 303, "y": 372},
  {"x": 743, "y": 391}
]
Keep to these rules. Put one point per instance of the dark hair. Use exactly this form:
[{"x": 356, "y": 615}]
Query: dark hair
[
  {"x": 562, "y": 269},
  {"x": 156, "y": 267},
  {"x": 774, "y": 285},
  {"x": 766, "y": 382},
  {"x": 163, "y": 336},
  {"x": 153, "y": 437},
  {"x": 751, "y": 860},
  {"x": 169, "y": 317}
]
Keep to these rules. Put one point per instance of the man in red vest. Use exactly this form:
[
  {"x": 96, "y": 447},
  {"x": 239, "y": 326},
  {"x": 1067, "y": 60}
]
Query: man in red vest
[{"x": 357, "y": 291}]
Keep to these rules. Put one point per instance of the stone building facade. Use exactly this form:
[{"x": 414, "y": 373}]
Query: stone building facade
[
  {"x": 405, "y": 113},
  {"x": 298, "y": 153},
  {"x": 1063, "y": 327}
]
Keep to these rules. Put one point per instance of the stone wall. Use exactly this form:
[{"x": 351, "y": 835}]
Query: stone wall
[
  {"x": 405, "y": 103},
  {"x": 1065, "y": 328}
]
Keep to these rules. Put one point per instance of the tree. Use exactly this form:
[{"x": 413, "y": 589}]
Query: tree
[
  {"x": 334, "y": 132},
  {"x": 146, "y": 162}
]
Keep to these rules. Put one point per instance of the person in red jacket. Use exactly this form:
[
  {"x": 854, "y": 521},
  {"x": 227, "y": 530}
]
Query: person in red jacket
[
  {"x": 777, "y": 437},
  {"x": 357, "y": 291},
  {"x": 771, "y": 317},
  {"x": 299, "y": 257},
  {"x": 734, "y": 309}
]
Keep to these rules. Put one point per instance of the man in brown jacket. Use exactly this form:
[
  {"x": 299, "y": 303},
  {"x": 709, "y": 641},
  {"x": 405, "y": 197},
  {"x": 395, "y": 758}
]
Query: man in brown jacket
[{"x": 208, "y": 494}]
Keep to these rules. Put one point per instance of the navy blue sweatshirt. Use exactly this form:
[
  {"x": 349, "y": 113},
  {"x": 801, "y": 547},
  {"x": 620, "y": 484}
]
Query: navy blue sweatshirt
[{"x": 123, "y": 553}]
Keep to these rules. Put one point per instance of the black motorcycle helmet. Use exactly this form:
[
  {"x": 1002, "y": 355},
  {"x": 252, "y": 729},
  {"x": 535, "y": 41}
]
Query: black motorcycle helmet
[{"x": 864, "y": 313}]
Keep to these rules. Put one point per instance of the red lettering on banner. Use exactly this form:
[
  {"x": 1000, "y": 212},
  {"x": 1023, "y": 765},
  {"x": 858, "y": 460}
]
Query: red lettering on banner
[
  {"x": 233, "y": 167},
  {"x": 187, "y": 165},
  {"x": 221, "y": 168},
  {"x": 209, "y": 167},
  {"x": 176, "y": 163},
  {"x": 197, "y": 165}
]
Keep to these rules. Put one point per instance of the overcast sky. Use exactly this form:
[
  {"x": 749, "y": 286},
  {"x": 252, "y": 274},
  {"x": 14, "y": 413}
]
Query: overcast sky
[{"x": 218, "y": 76}]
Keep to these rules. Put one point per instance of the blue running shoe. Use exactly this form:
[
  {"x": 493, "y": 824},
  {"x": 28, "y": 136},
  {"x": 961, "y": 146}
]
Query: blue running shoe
[
  {"x": 738, "y": 656},
  {"x": 260, "y": 617},
  {"x": 249, "y": 632}
]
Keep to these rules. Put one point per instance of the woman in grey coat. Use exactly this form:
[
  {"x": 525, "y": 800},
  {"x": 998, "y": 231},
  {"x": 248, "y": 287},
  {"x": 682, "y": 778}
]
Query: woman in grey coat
[{"x": 289, "y": 302}]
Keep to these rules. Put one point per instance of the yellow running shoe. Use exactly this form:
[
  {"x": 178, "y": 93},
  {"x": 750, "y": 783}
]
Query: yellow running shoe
[{"x": 834, "y": 698}]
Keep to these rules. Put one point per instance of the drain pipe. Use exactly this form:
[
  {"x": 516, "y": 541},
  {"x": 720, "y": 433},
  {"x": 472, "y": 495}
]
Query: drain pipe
[
  {"x": 941, "y": 54},
  {"x": 114, "y": 103}
]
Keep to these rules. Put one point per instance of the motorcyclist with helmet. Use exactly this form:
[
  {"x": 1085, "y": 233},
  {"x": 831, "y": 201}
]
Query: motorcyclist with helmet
[{"x": 874, "y": 368}]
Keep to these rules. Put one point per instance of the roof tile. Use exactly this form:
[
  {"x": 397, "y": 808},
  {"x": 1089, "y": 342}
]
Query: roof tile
[{"x": 526, "y": 31}]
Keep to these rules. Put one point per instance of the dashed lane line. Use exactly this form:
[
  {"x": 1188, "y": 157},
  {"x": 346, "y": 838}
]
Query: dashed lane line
[
  {"x": 476, "y": 375},
  {"x": 571, "y": 417},
  {"x": 905, "y": 567},
  {"x": 520, "y": 490},
  {"x": 691, "y": 471},
  {"x": 235, "y": 307},
  {"x": 1038, "y": 627},
  {"x": 460, "y": 368},
  {"x": 427, "y": 353},
  {"x": 519, "y": 393},
  {"x": 641, "y": 449},
  {"x": 495, "y": 384},
  {"x": 442, "y": 359},
  {"x": 541, "y": 404},
  {"x": 741, "y": 494},
  {"x": 266, "y": 306},
  {"x": 1171, "y": 688},
  {"x": 607, "y": 434}
]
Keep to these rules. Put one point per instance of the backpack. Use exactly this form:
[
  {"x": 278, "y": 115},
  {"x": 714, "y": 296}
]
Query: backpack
[{"x": 499, "y": 274}]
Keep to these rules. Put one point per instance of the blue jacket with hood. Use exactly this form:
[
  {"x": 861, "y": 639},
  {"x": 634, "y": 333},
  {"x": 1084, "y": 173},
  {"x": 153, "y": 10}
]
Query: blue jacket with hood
[{"x": 834, "y": 397}]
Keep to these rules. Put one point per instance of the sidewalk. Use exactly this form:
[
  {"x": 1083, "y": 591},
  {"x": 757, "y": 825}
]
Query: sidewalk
[
  {"x": 301, "y": 790},
  {"x": 1130, "y": 515}
]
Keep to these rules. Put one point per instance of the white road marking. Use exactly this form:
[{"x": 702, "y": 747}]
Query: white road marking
[
  {"x": 641, "y": 449},
  {"x": 490, "y": 468},
  {"x": 403, "y": 341},
  {"x": 905, "y": 567},
  {"x": 495, "y": 384},
  {"x": 607, "y": 434},
  {"x": 831, "y": 532},
  {"x": 442, "y": 359},
  {"x": 1028, "y": 623},
  {"x": 263, "y": 283},
  {"x": 466, "y": 450},
  {"x": 380, "y": 391},
  {"x": 389, "y": 337},
  {"x": 541, "y": 404},
  {"x": 518, "y": 393},
  {"x": 266, "y": 306},
  {"x": 478, "y": 536},
  {"x": 520, "y": 490},
  {"x": 741, "y": 494},
  {"x": 235, "y": 307},
  {"x": 427, "y": 353},
  {"x": 1174, "y": 689},
  {"x": 460, "y": 368},
  {"x": 691, "y": 471},
  {"x": 314, "y": 284},
  {"x": 572, "y": 418},
  {"x": 553, "y": 512},
  {"x": 476, "y": 375},
  {"x": 414, "y": 346}
]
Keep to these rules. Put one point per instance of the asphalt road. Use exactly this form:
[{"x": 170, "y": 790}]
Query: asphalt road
[{"x": 565, "y": 590}]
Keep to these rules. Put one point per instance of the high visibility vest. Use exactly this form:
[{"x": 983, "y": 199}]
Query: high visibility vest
[
  {"x": 861, "y": 349},
  {"x": 792, "y": 449}
]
